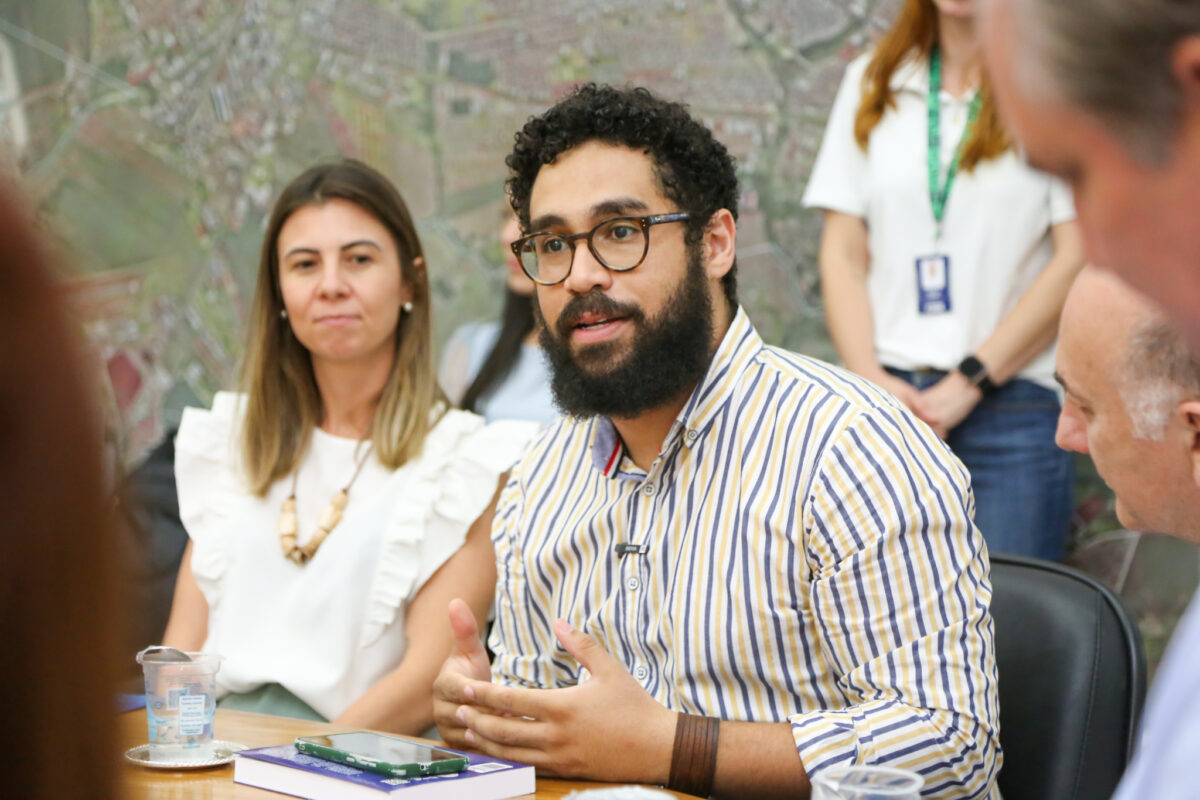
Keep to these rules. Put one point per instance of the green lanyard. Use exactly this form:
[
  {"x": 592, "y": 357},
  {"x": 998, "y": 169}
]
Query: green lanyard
[{"x": 938, "y": 196}]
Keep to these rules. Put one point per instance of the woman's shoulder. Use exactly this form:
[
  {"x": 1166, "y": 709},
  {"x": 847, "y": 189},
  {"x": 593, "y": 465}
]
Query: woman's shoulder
[
  {"x": 208, "y": 481},
  {"x": 448, "y": 487},
  {"x": 910, "y": 73},
  {"x": 225, "y": 405},
  {"x": 858, "y": 64},
  {"x": 856, "y": 68},
  {"x": 466, "y": 436},
  {"x": 213, "y": 426}
]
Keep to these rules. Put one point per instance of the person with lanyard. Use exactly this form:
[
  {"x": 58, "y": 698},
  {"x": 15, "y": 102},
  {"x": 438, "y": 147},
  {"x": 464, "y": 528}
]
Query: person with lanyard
[
  {"x": 337, "y": 503},
  {"x": 945, "y": 262}
]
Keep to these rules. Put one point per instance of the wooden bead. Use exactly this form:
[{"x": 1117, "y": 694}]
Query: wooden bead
[
  {"x": 330, "y": 517},
  {"x": 310, "y": 547},
  {"x": 316, "y": 541},
  {"x": 289, "y": 524}
]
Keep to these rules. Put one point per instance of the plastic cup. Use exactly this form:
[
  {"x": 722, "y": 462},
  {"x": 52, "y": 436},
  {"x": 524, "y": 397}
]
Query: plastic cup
[
  {"x": 181, "y": 701},
  {"x": 867, "y": 783}
]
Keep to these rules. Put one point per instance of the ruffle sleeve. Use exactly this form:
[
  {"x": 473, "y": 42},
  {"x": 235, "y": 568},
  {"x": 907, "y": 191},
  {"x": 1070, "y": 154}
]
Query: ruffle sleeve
[
  {"x": 451, "y": 484},
  {"x": 209, "y": 485}
]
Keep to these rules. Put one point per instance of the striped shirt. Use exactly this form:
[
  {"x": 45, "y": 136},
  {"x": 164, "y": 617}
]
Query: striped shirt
[{"x": 801, "y": 550}]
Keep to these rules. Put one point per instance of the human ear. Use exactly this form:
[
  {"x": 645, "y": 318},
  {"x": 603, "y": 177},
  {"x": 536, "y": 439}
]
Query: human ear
[
  {"x": 406, "y": 286},
  {"x": 1189, "y": 412},
  {"x": 720, "y": 242},
  {"x": 1185, "y": 68}
]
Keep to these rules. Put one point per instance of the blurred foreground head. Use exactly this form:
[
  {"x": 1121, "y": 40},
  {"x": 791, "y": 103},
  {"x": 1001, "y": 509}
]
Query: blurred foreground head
[
  {"x": 57, "y": 621},
  {"x": 1106, "y": 95}
]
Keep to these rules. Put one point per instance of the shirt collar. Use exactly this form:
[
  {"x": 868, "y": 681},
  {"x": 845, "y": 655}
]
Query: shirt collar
[
  {"x": 606, "y": 447},
  {"x": 738, "y": 347},
  {"x": 912, "y": 75}
]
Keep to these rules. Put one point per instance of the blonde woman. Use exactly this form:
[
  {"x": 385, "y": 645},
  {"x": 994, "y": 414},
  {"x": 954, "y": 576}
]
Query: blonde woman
[
  {"x": 945, "y": 262},
  {"x": 336, "y": 505}
]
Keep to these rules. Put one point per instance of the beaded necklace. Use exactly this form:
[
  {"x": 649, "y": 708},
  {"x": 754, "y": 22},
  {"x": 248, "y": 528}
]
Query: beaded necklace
[{"x": 289, "y": 525}]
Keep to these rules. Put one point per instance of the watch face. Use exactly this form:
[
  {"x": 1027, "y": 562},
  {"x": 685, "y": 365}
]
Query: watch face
[{"x": 972, "y": 368}]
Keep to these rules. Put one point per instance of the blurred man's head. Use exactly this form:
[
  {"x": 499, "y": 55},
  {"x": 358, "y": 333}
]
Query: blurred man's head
[
  {"x": 1106, "y": 95},
  {"x": 1132, "y": 402}
]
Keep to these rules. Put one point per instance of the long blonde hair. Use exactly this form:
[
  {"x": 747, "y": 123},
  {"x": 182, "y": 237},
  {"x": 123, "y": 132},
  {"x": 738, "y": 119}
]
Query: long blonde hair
[
  {"x": 283, "y": 402},
  {"x": 916, "y": 30}
]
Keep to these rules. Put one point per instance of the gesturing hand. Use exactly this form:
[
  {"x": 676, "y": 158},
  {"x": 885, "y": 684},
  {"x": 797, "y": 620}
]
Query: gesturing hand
[
  {"x": 606, "y": 728},
  {"x": 468, "y": 663}
]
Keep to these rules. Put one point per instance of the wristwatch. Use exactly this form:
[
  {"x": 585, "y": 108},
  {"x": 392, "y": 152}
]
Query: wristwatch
[{"x": 976, "y": 374}]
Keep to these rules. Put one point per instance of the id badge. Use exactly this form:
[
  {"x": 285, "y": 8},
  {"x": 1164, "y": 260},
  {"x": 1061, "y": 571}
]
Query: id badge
[{"x": 933, "y": 284}]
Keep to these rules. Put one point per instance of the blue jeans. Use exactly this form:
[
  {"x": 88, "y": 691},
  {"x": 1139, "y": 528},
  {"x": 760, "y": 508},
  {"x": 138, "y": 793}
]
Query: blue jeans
[{"x": 1022, "y": 480}]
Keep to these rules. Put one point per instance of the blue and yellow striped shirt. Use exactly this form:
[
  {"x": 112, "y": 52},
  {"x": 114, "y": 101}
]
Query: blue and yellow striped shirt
[{"x": 802, "y": 549}]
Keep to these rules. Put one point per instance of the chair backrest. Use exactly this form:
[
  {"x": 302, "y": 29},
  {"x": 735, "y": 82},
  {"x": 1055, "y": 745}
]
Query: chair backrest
[
  {"x": 152, "y": 546},
  {"x": 1072, "y": 675}
]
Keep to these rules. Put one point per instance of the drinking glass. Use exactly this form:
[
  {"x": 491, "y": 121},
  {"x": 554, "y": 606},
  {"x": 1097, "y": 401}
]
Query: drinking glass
[{"x": 181, "y": 700}]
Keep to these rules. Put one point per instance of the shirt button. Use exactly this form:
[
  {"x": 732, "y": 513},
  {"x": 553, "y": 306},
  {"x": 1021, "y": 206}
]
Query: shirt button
[
  {"x": 640, "y": 673},
  {"x": 648, "y": 490},
  {"x": 634, "y": 584},
  {"x": 692, "y": 435}
]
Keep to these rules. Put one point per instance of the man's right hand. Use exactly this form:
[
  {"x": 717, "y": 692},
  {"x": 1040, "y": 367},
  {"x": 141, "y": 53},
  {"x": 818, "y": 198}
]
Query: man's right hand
[{"x": 468, "y": 662}]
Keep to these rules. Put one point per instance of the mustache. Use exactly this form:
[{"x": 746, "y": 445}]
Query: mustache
[{"x": 594, "y": 302}]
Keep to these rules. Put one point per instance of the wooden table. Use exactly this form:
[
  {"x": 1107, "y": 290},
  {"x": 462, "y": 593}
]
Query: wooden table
[{"x": 252, "y": 730}]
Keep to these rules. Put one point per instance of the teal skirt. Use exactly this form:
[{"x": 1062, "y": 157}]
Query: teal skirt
[{"x": 271, "y": 698}]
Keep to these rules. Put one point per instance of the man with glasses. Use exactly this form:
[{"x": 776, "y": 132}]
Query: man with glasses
[{"x": 729, "y": 567}]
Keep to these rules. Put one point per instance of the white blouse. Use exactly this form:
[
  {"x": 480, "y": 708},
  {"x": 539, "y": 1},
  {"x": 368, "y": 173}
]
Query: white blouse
[
  {"x": 997, "y": 223},
  {"x": 329, "y": 630}
]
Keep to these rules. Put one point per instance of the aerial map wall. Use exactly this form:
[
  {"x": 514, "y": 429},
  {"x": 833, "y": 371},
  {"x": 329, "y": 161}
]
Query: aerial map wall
[
  {"x": 154, "y": 134},
  {"x": 151, "y": 137}
]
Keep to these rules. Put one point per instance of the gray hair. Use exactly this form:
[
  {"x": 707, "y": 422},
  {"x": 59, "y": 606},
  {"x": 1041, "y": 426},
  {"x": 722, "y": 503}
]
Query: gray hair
[
  {"x": 1112, "y": 58},
  {"x": 1161, "y": 368}
]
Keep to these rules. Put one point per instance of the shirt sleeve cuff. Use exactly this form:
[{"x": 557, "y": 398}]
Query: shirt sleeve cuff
[{"x": 826, "y": 739}]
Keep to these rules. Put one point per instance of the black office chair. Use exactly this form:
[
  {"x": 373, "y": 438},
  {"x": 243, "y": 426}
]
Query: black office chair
[
  {"x": 1072, "y": 681},
  {"x": 151, "y": 546}
]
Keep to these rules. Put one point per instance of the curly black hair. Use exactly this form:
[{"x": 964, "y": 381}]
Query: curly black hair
[{"x": 693, "y": 169}]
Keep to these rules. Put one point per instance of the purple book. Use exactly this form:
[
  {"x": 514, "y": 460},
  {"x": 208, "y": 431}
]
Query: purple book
[{"x": 284, "y": 769}]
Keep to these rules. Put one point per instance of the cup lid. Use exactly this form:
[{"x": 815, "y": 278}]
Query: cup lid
[{"x": 161, "y": 654}]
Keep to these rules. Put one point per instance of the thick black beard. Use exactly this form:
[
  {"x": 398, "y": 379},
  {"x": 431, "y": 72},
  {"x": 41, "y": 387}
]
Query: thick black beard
[{"x": 670, "y": 352}]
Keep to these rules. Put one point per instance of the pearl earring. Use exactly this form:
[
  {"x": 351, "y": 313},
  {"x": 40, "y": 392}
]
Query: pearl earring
[
  {"x": 408, "y": 306},
  {"x": 283, "y": 313}
]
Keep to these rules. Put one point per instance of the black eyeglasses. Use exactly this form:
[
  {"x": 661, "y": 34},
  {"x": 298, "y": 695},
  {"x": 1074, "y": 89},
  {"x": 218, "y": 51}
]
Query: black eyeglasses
[{"x": 620, "y": 244}]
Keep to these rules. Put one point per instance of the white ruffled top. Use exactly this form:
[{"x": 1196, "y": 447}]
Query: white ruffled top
[{"x": 328, "y": 630}]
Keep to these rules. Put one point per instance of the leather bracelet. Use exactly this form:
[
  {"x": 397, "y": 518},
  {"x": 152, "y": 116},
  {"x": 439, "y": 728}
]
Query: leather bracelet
[{"x": 694, "y": 758}]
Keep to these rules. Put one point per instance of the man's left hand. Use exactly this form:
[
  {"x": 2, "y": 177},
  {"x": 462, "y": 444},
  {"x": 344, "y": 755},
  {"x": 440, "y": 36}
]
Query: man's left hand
[
  {"x": 607, "y": 728},
  {"x": 947, "y": 402}
]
